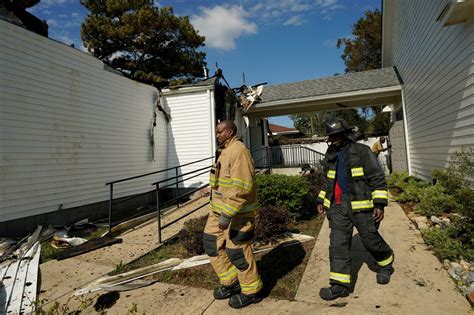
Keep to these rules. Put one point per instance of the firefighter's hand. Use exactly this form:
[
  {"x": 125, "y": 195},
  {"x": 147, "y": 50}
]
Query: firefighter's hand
[
  {"x": 320, "y": 208},
  {"x": 378, "y": 214}
]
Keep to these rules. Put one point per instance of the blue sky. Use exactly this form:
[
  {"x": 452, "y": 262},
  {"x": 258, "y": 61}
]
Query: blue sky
[{"x": 274, "y": 41}]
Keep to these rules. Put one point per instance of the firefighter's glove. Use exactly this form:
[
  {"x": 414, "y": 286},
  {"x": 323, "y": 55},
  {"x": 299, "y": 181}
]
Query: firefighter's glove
[{"x": 224, "y": 222}]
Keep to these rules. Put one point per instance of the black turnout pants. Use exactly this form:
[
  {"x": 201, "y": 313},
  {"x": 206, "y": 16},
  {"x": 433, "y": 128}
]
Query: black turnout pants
[{"x": 342, "y": 221}]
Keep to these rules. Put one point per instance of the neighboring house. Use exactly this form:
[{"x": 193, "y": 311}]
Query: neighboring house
[
  {"x": 195, "y": 110},
  {"x": 431, "y": 44},
  {"x": 68, "y": 126},
  {"x": 277, "y": 130}
]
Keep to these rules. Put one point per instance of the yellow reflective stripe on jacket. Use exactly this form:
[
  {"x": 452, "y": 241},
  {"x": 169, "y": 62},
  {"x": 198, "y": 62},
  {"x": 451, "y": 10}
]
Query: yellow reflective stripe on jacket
[
  {"x": 240, "y": 183},
  {"x": 380, "y": 194},
  {"x": 385, "y": 262},
  {"x": 341, "y": 277},
  {"x": 332, "y": 174},
  {"x": 254, "y": 286},
  {"x": 362, "y": 204},
  {"x": 322, "y": 194},
  {"x": 229, "y": 274},
  {"x": 327, "y": 203},
  {"x": 357, "y": 171},
  {"x": 229, "y": 183}
]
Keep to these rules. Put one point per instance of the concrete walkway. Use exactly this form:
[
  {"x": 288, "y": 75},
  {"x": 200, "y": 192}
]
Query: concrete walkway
[
  {"x": 419, "y": 285},
  {"x": 60, "y": 278}
]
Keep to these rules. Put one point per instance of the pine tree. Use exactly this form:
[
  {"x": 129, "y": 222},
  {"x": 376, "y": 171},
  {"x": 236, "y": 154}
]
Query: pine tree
[{"x": 143, "y": 42}]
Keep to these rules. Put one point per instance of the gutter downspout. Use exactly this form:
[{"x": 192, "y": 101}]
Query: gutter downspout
[{"x": 405, "y": 127}]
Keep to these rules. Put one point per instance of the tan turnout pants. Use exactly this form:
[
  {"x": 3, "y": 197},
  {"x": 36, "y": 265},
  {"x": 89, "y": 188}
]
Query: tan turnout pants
[{"x": 230, "y": 251}]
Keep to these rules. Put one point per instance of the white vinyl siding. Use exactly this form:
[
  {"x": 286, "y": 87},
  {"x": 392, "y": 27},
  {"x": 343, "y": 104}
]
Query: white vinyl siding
[
  {"x": 67, "y": 127},
  {"x": 437, "y": 66},
  {"x": 190, "y": 136}
]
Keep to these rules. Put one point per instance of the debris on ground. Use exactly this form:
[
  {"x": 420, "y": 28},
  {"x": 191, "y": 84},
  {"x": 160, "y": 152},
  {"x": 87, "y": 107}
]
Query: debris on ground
[
  {"x": 62, "y": 240},
  {"x": 88, "y": 246},
  {"x": 132, "y": 279},
  {"x": 19, "y": 274}
]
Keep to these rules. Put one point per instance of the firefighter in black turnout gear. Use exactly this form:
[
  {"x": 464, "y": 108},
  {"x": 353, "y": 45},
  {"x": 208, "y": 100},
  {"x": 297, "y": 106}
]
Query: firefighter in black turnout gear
[{"x": 353, "y": 194}]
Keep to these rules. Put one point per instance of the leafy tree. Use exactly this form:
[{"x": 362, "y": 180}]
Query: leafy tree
[
  {"x": 313, "y": 123},
  {"x": 142, "y": 41},
  {"x": 364, "y": 51}
]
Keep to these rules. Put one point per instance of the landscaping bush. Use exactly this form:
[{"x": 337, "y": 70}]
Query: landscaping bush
[
  {"x": 444, "y": 246},
  {"x": 410, "y": 194},
  {"x": 397, "y": 180},
  {"x": 290, "y": 192},
  {"x": 191, "y": 235},
  {"x": 455, "y": 180},
  {"x": 271, "y": 223},
  {"x": 315, "y": 181},
  {"x": 434, "y": 201}
]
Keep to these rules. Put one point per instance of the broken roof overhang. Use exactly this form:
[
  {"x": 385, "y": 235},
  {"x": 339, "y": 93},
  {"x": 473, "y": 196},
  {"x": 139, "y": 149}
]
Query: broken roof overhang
[
  {"x": 367, "y": 88},
  {"x": 207, "y": 84}
]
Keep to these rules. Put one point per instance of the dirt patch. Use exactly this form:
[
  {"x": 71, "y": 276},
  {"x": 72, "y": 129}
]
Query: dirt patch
[{"x": 281, "y": 268}]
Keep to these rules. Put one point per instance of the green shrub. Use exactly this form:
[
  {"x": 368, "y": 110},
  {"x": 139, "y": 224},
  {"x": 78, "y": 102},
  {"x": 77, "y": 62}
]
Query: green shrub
[
  {"x": 290, "y": 192},
  {"x": 445, "y": 246},
  {"x": 465, "y": 199},
  {"x": 397, "y": 180},
  {"x": 191, "y": 235},
  {"x": 463, "y": 230},
  {"x": 455, "y": 176},
  {"x": 404, "y": 182},
  {"x": 315, "y": 181},
  {"x": 455, "y": 180},
  {"x": 411, "y": 193},
  {"x": 271, "y": 223},
  {"x": 434, "y": 201}
]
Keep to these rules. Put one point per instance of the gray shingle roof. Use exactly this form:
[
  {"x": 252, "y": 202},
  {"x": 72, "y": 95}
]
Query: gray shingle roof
[{"x": 331, "y": 85}]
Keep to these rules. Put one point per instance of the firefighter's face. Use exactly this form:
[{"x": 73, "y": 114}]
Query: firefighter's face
[
  {"x": 223, "y": 134},
  {"x": 337, "y": 139}
]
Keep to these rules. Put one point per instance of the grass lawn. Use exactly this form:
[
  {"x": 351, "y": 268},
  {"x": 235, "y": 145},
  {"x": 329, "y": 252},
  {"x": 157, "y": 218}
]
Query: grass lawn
[{"x": 281, "y": 268}]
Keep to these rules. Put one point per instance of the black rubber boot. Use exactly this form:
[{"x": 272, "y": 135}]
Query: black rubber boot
[
  {"x": 226, "y": 291},
  {"x": 333, "y": 292},
  {"x": 383, "y": 276},
  {"x": 242, "y": 300}
]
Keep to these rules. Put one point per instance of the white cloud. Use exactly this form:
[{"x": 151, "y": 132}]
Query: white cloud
[
  {"x": 328, "y": 8},
  {"x": 282, "y": 11},
  {"x": 223, "y": 25},
  {"x": 55, "y": 2},
  {"x": 294, "y": 20},
  {"x": 327, "y": 3},
  {"x": 52, "y": 22}
]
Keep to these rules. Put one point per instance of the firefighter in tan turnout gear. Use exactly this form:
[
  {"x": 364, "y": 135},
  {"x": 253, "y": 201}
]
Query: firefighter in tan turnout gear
[
  {"x": 231, "y": 223},
  {"x": 353, "y": 194}
]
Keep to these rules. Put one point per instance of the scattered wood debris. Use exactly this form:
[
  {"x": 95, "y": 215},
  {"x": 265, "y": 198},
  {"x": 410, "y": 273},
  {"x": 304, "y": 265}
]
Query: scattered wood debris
[
  {"x": 18, "y": 276},
  {"x": 133, "y": 279}
]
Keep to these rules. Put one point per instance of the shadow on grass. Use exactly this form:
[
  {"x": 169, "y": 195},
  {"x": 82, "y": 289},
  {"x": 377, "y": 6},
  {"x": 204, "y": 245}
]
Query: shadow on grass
[{"x": 277, "y": 263}]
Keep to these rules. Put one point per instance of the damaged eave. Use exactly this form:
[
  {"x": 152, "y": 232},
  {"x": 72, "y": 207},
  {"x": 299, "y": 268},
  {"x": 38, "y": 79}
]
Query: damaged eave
[
  {"x": 182, "y": 90},
  {"x": 457, "y": 12},
  {"x": 377, "y": 96}
]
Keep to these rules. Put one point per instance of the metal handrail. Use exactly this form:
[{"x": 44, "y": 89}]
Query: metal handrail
[
  {"x": 156, "y": 184},
  {"x": 290, "y": 155},
  {"x": 156, "y": 172}
]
